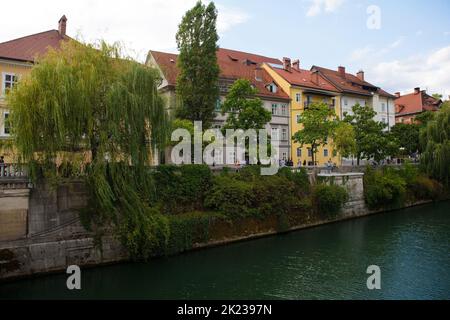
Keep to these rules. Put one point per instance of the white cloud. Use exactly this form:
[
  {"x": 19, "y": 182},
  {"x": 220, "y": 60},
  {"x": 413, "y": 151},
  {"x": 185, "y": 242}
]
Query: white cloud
[
  {"x": 429, "y": 71},
  {"x": 319, "y": 6},
  {"x": 140, "y": 25},
  {"x": 369, "y": 52}
]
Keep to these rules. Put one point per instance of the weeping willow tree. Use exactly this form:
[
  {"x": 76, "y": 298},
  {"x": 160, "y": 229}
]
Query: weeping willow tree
[
  {"x": 435, "y": 140},
  {"x": 90, "y": 113}
]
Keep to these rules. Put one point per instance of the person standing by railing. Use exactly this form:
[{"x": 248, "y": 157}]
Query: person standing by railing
[{"x": 2, "y": 166}]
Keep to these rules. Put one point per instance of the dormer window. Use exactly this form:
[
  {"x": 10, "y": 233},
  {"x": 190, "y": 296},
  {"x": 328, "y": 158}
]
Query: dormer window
[{"x": 272, "y": 88}]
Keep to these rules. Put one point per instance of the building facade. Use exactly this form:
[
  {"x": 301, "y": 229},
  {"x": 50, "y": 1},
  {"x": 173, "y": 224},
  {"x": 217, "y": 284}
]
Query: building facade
[
  {"x": 235, "y": 65},
  {"x": 409, "y": 106},
  {"x": 304, "y": 88},
  {"x": 354, "y": 89}
]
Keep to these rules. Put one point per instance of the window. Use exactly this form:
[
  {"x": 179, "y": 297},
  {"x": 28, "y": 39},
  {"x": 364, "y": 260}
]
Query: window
[
  {"x": 275, "y": 134},
  {"x": 284, "y": 156},
  {"x": 6, "y": 127},
  {"x": 325, "y": 152},
  {"x": 299, "y": 116},
  {"x": 345, "y": 102},
  {"x": 9, "y": 81},
  {"x": 383, "y": 107},
  {"x": 284, "y": 134},
  {"x": 309, "y": 152},
  {"x": 272, "y": 88},
  {"x": 284, "y": 110},
  {"x": 218, "y": 105},
  {"x": 384, "y": 120},
  {"x": 274, "y": 108},
  {"x": 299, "y": 152},
  {"x": 298, "y": 97}
]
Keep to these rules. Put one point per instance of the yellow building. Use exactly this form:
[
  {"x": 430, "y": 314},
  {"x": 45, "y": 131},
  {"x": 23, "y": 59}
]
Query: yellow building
[
  {"x": 16, "y": 60},
  {"x": 304, "y": 88}
]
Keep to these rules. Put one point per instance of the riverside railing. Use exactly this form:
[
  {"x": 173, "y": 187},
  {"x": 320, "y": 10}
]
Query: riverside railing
[{"x": 13, "y": 171}]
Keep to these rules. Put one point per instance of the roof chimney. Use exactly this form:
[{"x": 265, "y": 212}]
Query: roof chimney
[
  {"x": 397, "y": 94},
  {"x": 287, "y": 64},
  {"x": 296, "y": 65},
  {"x": 315, "y": 77},
  {"x": 62, "y": 23},
  {"x": 417, "y": 90},
  {"x": 341, "y": 71},
  {"x": 360, "y": 75}
]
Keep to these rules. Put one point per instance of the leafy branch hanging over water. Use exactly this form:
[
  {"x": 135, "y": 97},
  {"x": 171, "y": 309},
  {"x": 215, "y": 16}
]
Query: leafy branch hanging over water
[{"x": 88, "y": 109}]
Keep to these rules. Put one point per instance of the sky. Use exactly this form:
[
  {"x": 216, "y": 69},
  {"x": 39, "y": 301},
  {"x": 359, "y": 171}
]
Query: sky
[{"x": 400, "y": 44}]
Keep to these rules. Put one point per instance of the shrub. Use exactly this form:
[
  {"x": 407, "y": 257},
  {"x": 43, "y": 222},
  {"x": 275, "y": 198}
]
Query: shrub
[
  {"x": 250, "y": 194},
  {"x": 230, "y": 196},
  {"x": 181, "y": 189},
  {"x": 383, "y": 189},
  {"x": 328, "y": 200},
  {"x": 300, "y": 178},
  {"x": 188, "y": 229},
  {"x": 424, "y": 188}
]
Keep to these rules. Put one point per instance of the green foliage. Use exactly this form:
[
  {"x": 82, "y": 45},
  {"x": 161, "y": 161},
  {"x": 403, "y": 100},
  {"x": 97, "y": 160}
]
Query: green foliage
[
  {"x": 88, "y": 111},
  {"x": 328, "y": 200},
  {"x": 300, "y": 178},
  {"x": 407, "y": 136},
  {"x": 423, "y": 118},
  {"x": 371, "y": 141},
  {"x": 318, "y": 124},
  {"x": 250, "y": 194},
  {"x": 197, "y": 82},
  {"x": 245, "y": 111},
  {"x": 231, "y": 197},
  {"x": 383, "y": 189},
  {"x": 435, "y": 141},
  {"x": 188, "y": 229},
  {"x": 344, "y": 139},
  {"x": 181, "y": 189}
]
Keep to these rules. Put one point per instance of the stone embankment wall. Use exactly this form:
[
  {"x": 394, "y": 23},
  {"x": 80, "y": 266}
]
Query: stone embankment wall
[{"x": 40, "y": 230}]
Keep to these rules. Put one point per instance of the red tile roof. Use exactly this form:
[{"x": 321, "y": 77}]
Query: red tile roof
[
  {"x": 416, "y": 103},
  {"x": 351, "y": 83},
  {"x": 304, "y": 78},
  {"x": 29, "y": 47},
  {"x": 233, "y": 65}
]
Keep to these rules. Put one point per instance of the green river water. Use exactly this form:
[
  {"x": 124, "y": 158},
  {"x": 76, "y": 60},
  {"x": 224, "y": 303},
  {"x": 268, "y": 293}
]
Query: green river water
[{"x": 410, "y": 246}]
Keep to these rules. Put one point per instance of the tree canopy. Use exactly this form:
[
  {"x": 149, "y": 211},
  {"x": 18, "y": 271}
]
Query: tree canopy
[
  {"x": 197, "y": 83},
  {"x": 318, "y": 124},
  {"x": 407, "y": 136},
  {"x": 435, "y": 141},
  {"x": 245, "y": 111},
  {"x": 371, "y": 141},
  {"x": 89, "y": 112}
]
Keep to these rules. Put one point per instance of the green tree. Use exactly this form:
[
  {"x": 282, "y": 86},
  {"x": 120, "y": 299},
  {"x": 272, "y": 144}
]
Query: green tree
[
  {"x": 90, "y": 112},
  {"x": 435, "y": 141},
  {"x": 197, "y": 82},
  {"x": 437, "y": 96},
  {"x": 344, "y": 139},
  {"x": 423, "y": 118},
  {"x": 407, "y": 136},
  {"x": 318, "y": 124},
  {"x": 371, "y": 141},
  {"x": 245, "y": 111}
]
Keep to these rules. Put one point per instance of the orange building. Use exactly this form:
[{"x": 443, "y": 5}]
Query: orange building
[{"x": 408, "y": 106}]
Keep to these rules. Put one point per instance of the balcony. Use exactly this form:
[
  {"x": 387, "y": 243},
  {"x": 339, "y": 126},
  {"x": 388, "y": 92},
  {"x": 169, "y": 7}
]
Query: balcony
[{"x": 306, "y": 105}]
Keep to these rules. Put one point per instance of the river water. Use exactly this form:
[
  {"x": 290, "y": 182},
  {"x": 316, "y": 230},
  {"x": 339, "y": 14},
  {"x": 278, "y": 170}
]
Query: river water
[{"x": 411, "y": 247}]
